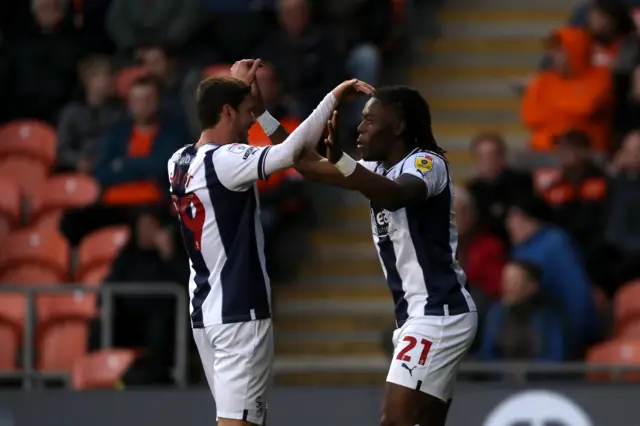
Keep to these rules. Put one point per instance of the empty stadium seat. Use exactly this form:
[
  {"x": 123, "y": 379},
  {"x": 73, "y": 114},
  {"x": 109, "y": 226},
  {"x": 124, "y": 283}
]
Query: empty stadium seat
[
  {"x": 63, "y": 329},
  {"x": 102, "y": 369},
  {"x": 10, "y": 207},
  {"x": 29, "y": 274},
  {"x": 216, "y": 70},
  {"x": 631, "y": 331},
  {"x": 626, "y": 305},
  {"x": 100, "y": 248},
  {"x": 616, "y": 352},
  {"x": 28, "y": 173},
  {"x": 125, "y": 79},
  {"x": 12, "y": 314},
  {"x": 94, "y": 276},
  {"x": 28, "y": 138},
  {"x": 43, "y": 248},
  {"x": 60, "y": 192}
]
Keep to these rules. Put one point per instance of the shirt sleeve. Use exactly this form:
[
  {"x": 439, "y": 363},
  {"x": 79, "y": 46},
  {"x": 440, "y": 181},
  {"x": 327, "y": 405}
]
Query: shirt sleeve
[
  {"x": 432, "y": 169},
  {"x": 239, "y": 166},
  {"x": 369, "y": 165}
]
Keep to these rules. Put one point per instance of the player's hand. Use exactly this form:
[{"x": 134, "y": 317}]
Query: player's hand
[
  {"x": 334, "y": 151},
  {"x": 164, "y": 243},
  {"x": 246, "y": 70},
  {"x": 351, "y": 88}
]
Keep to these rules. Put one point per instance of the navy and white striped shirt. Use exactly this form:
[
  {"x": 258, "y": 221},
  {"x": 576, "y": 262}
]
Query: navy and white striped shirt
[{"x": 417, "y": 244}]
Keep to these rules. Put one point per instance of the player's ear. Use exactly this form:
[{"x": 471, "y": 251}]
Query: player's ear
[
  {"x": 399, "y": 127},
  {"x": 227, "y": 111}
]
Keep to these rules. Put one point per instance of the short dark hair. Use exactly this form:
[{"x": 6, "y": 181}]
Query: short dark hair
[
  {"x": 492, "y": 137},
  {"x": 214, "y": 93},
  {"x": 150, "y": 80},
  {"x": 415, "y": 111},
  {"x": 533, "y": 270}
]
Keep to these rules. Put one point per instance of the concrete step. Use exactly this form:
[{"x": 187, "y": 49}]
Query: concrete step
[
  {"x": 352, "y": 322},
  {"x": 328, "y": 280},
  {"x": 460, "y": 45},
  {"x": 346, "y": 365},
  {"x": 495, "y": 28},
  {"x": 510, "y": 5},
  {"x": 476, "y": 116},
  {"x": 455, "y": 59},
  {"x": 472, "y": 88},
  {"x": 515, "y": 140},
  {"x": 340, "y": 267},
  {"x": 334, "y": 345},
  {"x": 421, "y": 75},
  {"x": 499, "y": 15},
  {"x": 348, "y": 252},
  {"x": 323, "y": 237},
  {"x": 376, "y": 291}
]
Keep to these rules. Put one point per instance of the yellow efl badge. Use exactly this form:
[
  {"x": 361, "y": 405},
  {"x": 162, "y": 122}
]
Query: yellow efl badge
[{"x": 424, "y": 163}]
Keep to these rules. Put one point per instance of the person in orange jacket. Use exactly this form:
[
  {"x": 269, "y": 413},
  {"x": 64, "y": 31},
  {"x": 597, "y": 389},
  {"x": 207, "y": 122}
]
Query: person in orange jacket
[{"x": 572, "y": 95}]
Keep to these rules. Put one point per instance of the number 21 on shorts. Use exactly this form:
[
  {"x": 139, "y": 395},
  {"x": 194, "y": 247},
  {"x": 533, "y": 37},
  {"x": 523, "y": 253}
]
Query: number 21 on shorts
[{"x": 410, "y": 343}]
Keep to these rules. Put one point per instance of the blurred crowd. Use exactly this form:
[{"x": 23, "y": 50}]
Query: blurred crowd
[
  {"x": 550, "y": 243},
  {"x": 116, "y": 80}
]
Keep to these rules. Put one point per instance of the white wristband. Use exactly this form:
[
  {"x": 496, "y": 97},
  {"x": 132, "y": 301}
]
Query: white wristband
[
  {"x": 268, "y": 123},
  {"x": 346, "y": 165}
]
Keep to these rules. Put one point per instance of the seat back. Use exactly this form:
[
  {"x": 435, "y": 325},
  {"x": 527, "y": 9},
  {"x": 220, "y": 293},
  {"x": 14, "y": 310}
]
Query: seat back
[
  {"x": 102, "y": 369},
  {"x": 101, "y": 247},
  {"x": 46, "y": 249}
]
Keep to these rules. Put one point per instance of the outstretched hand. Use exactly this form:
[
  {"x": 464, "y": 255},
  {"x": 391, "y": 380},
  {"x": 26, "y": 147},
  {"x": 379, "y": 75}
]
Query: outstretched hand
[
  {"x": 334, "y": 150},
  {"x": 351, "y": 88}
]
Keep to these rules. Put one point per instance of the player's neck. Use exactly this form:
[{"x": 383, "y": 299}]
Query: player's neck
[
  {"x": 397, "y": 153},
  {"x": 216, "y": 135}
]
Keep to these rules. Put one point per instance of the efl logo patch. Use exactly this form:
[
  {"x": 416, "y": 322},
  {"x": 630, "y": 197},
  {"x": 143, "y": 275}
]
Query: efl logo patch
[
  {"x": 237, "y": 148},
  {"x": 424, "y": 163},
  {"x": 381, "y": 219}
]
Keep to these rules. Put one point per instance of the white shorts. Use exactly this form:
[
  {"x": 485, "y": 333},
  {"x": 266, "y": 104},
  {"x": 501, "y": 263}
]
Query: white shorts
[
  {"x": 237, "y": 360},
  {"x": 428, "y": 351}
]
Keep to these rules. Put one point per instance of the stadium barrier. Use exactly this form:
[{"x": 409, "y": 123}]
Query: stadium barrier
[
  {"x": 496, "y": 404},
  {"x": 29, "y": 374}
]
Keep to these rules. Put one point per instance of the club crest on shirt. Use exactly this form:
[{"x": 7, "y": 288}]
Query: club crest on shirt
[
  {"x": 238, "y": 148},
  {"x": 424, "y": 163}
]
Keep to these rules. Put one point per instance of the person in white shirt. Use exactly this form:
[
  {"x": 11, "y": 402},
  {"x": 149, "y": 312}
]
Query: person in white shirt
[{"x": 213, "y": 188}]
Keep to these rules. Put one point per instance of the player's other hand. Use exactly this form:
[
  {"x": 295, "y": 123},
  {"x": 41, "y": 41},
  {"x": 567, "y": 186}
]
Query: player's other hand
[
  {"x": 351, "y": 88},
  {"x": 246, "y": 70},
  {"x": 334, "y": 151}
]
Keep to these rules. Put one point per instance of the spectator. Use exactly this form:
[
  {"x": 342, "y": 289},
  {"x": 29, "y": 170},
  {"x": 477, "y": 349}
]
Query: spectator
[
  {"x": 525, "y": 325},
  {"x": 573, "y": 94},
  {"x": 579, "y": 197},
  {"x": 609, "y": 23},
  {"x": 42, "y": 64},
  {"x": 363, "y": 27},
  {"x": 535, "y": 240},
  {"x": 131, "y": 23},
  {"x": 496, "y": 184},
  {"x": 623, "y": 229},
  {"x": 481, "y": 255},
  {"x": 83, "y": 123},
  {"x": 134, "y": 152},
  {"x": 163, "y": 62},
  {"x": 626, "y": 80},
  {"x": 146, "y": 321},
  {"x": 301, "y": 52}
]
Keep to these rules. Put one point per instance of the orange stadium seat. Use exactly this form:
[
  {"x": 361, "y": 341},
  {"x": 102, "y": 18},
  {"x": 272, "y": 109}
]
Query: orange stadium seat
[
  {"x": 28, "y": 173},
  {"x": 60, "y": 192},
  {"x": 125, "y": 79},
  {"x": 95, "y": 276},
  {"x": 631, "y": 331},
  {"x": 28, "y": 138},
  {"x": 216, "y": 70},
  {"x": 100, "y": 248},
  {"x": 46, "y": 249},
  {"x": 626, "y": 305},
  {"x": 103, "y": 369},
  {"x": 63, "y": 329},
  {"x": 10, "y": 207},
  {"x": 615, "y": 352},
  {"x": 30, "y": 274},
  {"x": 12, "y": 314}
]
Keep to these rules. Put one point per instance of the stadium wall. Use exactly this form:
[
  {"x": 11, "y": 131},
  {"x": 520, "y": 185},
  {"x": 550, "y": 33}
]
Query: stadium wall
[{"x": 475, "y": 405}]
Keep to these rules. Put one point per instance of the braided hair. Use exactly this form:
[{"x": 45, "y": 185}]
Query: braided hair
[{"x": 414, "y": 110}]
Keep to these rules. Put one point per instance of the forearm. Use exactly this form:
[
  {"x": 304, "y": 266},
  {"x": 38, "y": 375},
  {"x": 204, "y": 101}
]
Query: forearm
[{"x": 283, "y": 155}]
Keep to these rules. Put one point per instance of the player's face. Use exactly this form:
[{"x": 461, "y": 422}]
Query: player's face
[
  {"x": 375, "y": 132},
  {"x": 242, "y": 119}
]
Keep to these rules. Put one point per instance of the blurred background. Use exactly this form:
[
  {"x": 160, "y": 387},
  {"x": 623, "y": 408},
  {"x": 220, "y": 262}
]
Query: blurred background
[{"x": 538, "y": 105}]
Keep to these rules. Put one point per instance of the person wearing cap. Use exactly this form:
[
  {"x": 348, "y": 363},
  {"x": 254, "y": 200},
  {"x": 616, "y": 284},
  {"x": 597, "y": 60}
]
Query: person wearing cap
[
  {"x": 535, "y": 238},
  {"x": 578, "y": 194}
]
